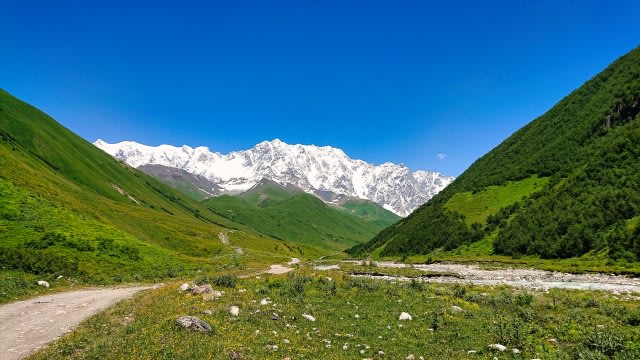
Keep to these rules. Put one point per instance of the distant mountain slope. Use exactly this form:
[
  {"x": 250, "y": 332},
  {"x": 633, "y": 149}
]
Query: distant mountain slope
[
  {"x": 195, "y": 186},
  {"x": 310, "y": 168},
  {"x": 566, "y": 184},
  {"x": 68, "y": 208},
  {"x": 290, "y": 214}
]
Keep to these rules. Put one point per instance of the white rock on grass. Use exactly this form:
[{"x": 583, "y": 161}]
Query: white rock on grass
[
  {"x": 43, "y": 283},
  {"x": 405, "y": 316},
  {"x": 498, "y": 347},
  {"x": 308, "y": 317},
  {"x": 456, "y": 308},
  {"x": 516, "y": 351},
  {"x": 265, "y": 301},
  {"x": 234, "y": 310},
  {"x": 184, "y": 287}
]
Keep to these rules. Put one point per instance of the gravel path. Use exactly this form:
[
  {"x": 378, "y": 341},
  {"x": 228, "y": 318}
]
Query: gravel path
[{"x": 28, "y": 325}]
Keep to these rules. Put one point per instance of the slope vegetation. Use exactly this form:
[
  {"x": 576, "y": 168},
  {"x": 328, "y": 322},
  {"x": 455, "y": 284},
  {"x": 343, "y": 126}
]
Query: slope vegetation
[
  {"x": 567, "y": 183},
  {"x": 67, "y": 208},
  {"x": 290, "y": 214}
]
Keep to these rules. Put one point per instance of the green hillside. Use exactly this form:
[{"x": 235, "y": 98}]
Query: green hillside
[
  {"x": 565, "y": 185},
  {"x": 67, "y": 208},
  {"x": 297, "y": 217},
  {"x": 369, "y": 211}
]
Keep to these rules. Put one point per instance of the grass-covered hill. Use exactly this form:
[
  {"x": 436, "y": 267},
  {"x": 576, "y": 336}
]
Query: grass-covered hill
[
  {"x": 565, "y": 185},
  {"x": 67, "y": 208},
  {"x": 288, "y": 213}
]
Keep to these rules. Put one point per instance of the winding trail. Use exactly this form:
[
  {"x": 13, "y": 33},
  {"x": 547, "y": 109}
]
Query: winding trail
[{"x": 28, "y": 325}]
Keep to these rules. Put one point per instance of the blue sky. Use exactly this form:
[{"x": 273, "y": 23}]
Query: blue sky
[{"x": 431, "y": 84}]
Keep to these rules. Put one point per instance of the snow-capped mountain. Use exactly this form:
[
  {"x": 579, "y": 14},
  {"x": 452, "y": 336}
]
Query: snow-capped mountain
[{"x": 308, "y": 167}]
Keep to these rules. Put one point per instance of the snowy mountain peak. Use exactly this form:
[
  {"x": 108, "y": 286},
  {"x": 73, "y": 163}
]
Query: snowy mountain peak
[{"x": 309, "y": 167}]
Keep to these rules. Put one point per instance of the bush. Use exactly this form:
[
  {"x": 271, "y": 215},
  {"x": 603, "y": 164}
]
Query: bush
[
  {"x": 524, "y": 299},
  {"x": 227, "y": 280},
  {"x": 48, "y": 239},
  {"x": 38, "y": 261}
]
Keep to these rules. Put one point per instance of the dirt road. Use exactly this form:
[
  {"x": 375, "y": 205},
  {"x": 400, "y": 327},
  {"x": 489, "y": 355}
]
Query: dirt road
[{"x": 26, "y": 326}]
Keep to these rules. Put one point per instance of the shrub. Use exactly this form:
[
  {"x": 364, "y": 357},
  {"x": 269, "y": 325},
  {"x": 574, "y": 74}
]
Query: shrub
[{"x": 227, "y": 280}]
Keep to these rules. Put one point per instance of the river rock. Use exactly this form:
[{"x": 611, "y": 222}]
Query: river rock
[
  {"x": 194, "y": 324},
  {"x": 43, "y": 283},
  {"x": 203, "y": 289}
]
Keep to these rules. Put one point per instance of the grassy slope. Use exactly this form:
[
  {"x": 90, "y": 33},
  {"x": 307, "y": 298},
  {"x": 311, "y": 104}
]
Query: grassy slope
[
  {"x": 476, "y": 207},
  {"x": 111, "y": 221},
  {"x": 587, "y": 146},
  {"x": 295, "y": 216},
  {"x": 371, "y": 212}
]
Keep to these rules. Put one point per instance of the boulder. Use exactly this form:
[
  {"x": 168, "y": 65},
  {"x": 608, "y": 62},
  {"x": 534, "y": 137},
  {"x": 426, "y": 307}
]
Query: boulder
[
  {"x": 194, "y": 324},
  {"x": 405, "y": 316},
  {"x": 234, "y": 310},
  {"x": 214, "y": 295},
  {"x": 43, "y": 283},
  {"x": 203, "y": 289},
  {"x": 184, "y": 287}
]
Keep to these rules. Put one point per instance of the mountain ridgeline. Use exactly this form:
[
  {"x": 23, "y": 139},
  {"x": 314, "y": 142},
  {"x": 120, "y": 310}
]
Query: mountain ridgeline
[
  {"x": 316, "y": 170},
  {"x": 565, "y": 185}
]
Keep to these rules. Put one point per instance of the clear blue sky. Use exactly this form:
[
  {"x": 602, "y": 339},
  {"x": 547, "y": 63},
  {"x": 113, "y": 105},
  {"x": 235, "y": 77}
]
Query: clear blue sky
[{"x": 399, "y": 81}]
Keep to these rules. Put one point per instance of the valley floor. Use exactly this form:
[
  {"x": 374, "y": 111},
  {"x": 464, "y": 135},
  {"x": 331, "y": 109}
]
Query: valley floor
[{"x": 321, "y": 310}]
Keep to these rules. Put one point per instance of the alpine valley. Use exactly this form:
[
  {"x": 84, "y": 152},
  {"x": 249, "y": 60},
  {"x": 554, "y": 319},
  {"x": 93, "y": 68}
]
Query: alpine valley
[
  {"x": 252, "y": 247},
  {"x": 325, "y": 171}
]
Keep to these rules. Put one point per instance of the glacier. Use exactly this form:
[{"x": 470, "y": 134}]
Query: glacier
[{"x": 309, "y": 167}]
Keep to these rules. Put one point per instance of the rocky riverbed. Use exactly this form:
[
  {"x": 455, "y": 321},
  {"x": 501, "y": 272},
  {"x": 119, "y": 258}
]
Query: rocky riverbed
[{"x": 524, "y": 278}]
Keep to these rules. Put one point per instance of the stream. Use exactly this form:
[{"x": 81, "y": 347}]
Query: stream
[{"x": 522, "y": 278}]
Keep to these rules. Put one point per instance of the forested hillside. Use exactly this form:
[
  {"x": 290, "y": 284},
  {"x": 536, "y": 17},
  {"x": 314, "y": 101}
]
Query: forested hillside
[{"x": 583, "y": 156}]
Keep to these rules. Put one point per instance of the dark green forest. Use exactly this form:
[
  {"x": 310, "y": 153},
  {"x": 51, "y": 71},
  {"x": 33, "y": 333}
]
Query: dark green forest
[{"x": 587, "y": 145}]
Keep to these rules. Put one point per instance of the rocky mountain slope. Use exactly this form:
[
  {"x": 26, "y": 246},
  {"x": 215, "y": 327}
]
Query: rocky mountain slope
[{"x": 311, "y": 168}]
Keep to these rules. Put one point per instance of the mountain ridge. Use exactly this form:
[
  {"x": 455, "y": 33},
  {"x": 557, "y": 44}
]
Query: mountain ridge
[{"x": 309, "y": 167}]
